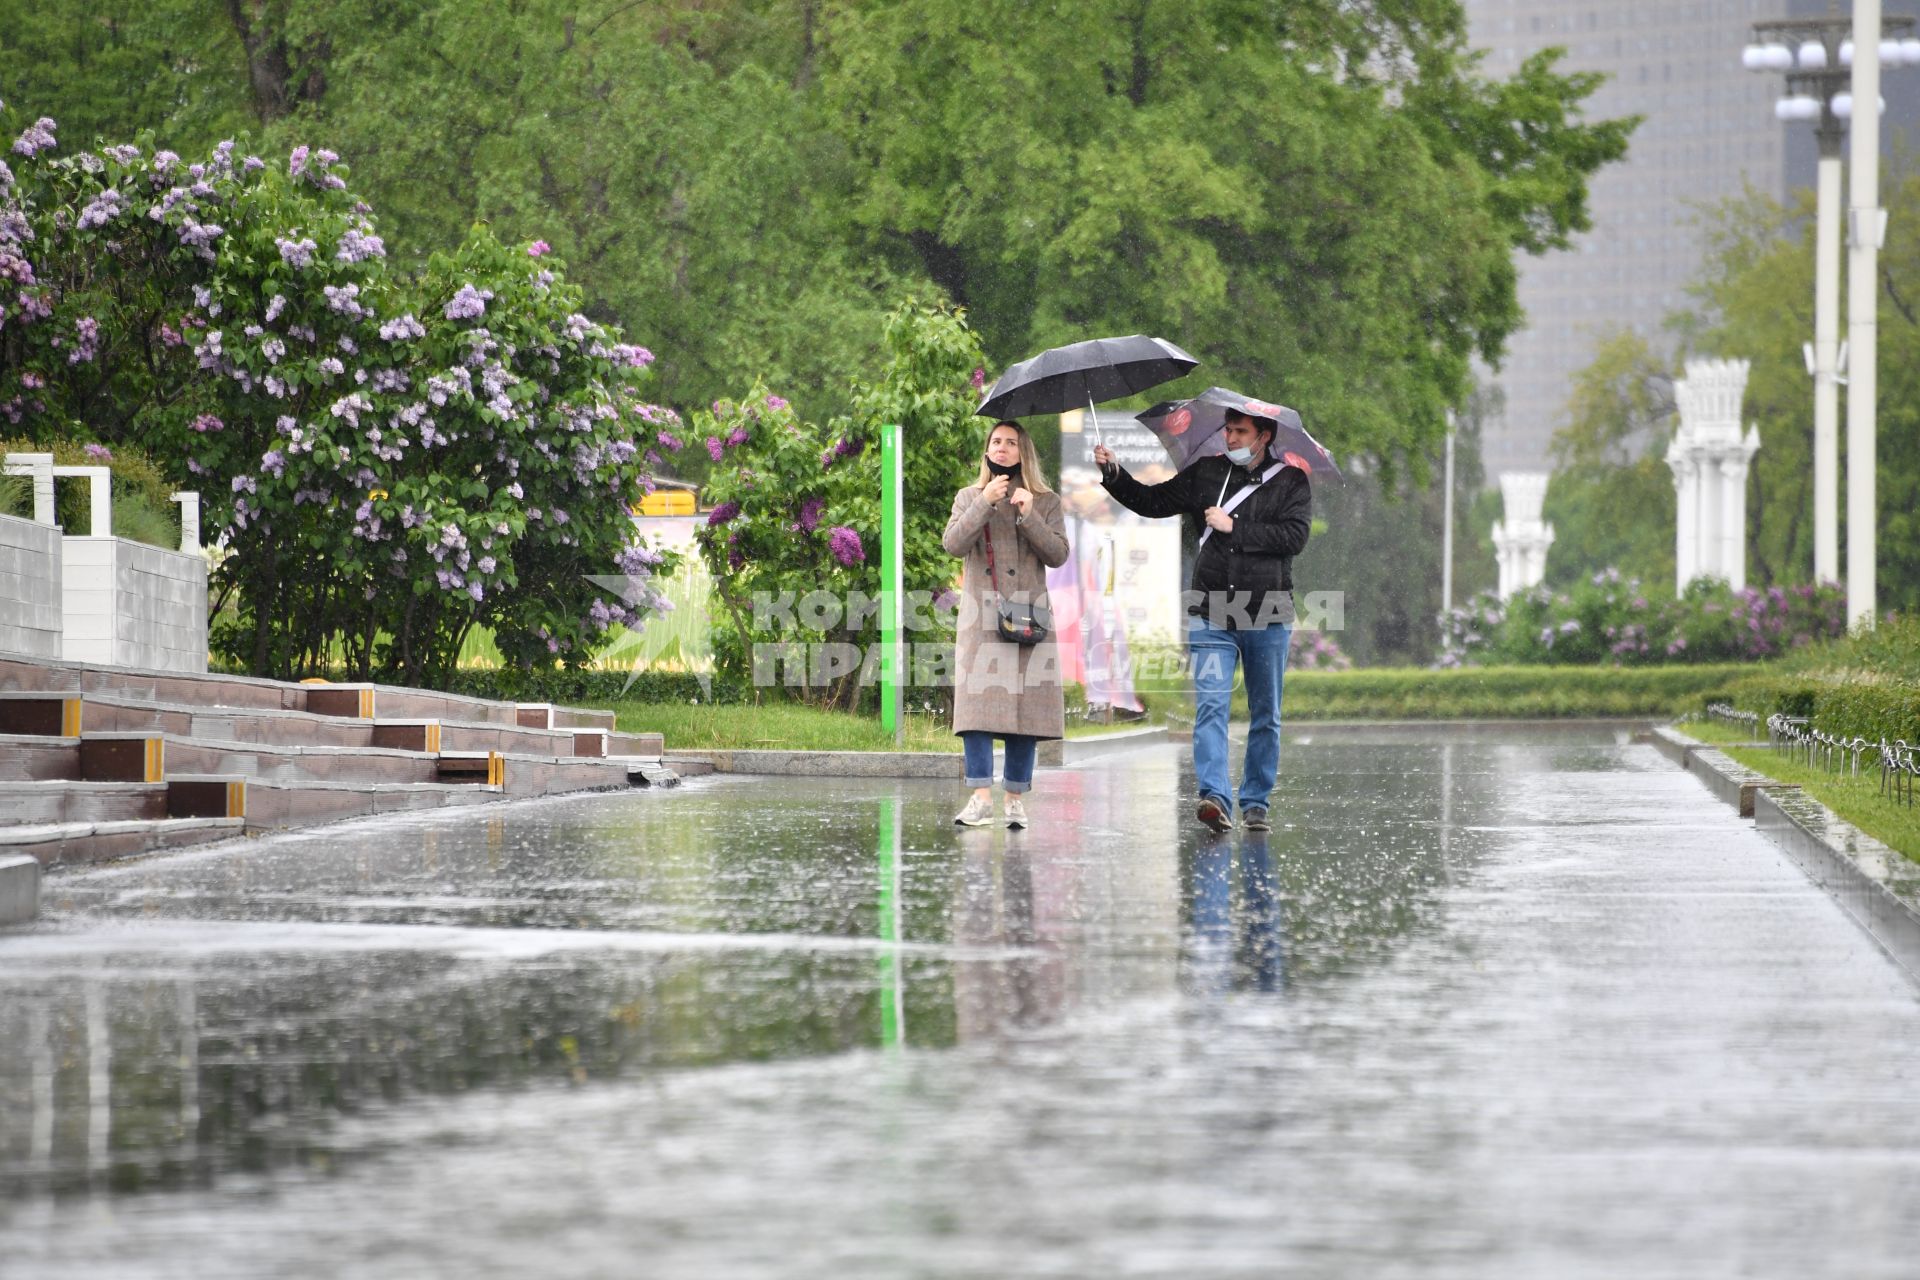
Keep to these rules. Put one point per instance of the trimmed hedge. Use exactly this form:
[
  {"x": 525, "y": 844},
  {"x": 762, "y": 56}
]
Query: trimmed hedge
[
  {"x": 1843, "y": 703},
  {"x": 1530, "y": 693}
]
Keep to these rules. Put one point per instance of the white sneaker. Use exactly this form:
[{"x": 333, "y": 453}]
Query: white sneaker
[
  {"x": 978, "y": 813},
  {"x": 1016, "y": 813}
]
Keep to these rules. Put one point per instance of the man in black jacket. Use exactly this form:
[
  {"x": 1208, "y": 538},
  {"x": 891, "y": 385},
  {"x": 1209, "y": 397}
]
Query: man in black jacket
[{"x": 1240, "y": 608}]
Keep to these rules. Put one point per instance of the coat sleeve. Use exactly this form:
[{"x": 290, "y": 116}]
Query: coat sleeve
[
  {"x": 1170, "y": 498},
  {"x": 964, "y": 525},
  {"x": 1045, "y": 530},
  {"x": 1284, "y": 531}
]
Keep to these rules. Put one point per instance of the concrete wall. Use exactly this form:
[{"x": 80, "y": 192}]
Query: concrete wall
[
  {"x": 134, "y": 605},
  {"x": 30, "y": 570}
]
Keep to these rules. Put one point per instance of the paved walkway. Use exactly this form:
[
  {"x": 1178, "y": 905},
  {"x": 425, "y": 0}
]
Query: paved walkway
[{"x": 1475, "y": 1010}]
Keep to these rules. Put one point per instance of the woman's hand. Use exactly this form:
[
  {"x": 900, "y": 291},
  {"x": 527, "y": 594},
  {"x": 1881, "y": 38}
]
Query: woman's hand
[
  {"x": 996, "y": 489},
  {"x": 1218, "y": 519},
  {"x": 1103, "y": 456},
  {"x": 1022, "y": 500}
]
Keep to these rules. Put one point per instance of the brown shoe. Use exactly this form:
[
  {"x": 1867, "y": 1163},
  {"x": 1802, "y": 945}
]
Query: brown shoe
[{"x": 1214, "y": 815}]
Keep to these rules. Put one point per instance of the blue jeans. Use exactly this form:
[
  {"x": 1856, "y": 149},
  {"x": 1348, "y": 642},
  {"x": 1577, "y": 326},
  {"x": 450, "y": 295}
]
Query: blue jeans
[
  {"x": 1215, "y": 652},
  {"x": 1021, "y": 748}
]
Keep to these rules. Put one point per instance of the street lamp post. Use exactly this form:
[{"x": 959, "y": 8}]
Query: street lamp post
[
  {"x": 1866, "y": 224},
  {"x": 1817, "y": 57}
]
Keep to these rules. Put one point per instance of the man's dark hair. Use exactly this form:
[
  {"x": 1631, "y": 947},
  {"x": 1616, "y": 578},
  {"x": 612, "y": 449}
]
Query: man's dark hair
[{"x": 1267, "y": 425}]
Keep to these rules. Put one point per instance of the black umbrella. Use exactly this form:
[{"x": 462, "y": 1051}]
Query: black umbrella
[
  {"x": 1190, "y": 429},
  {"x": 1084, "y": 373}
]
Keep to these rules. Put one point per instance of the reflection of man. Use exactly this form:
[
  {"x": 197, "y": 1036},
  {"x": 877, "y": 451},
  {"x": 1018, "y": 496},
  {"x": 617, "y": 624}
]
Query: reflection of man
[
  {"x": 1240, "y": 608},
  {"x": 1218, "y": 955}
]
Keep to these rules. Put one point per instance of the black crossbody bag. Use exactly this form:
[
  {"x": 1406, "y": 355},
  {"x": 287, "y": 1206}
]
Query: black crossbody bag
[{"x": 1018, "y": 623}]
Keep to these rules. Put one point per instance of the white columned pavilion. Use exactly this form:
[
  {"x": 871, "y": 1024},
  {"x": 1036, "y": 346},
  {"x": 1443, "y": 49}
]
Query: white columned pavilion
[
  {"x": 1521, "y": 538},
  {"x": 1709, "y": 457}
]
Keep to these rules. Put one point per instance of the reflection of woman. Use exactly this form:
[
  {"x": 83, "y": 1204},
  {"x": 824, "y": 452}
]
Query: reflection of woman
[{"x": 1008, "y": 528}]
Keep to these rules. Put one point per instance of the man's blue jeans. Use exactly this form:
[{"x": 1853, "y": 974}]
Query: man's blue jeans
[
  {"x": 1215, "y": 652},
  {"x": 1021, "y": 749}
]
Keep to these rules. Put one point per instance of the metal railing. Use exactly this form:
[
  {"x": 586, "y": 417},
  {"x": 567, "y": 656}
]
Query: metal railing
[{"x": 1898, "y": 761}]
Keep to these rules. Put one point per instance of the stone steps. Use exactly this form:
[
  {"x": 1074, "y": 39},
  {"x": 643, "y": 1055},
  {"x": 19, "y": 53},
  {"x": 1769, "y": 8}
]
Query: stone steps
[
  {"x": 100, "y": 762},
  {"x": 63, "y": 800}
]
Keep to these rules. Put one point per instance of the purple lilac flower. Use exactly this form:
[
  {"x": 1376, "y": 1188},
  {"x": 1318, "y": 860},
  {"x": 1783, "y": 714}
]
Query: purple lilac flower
[
  {"x": 297, "y": 254},
  {"x": 670, "y": 441},
  {"x": 722, "y": 514},
  {"x": 87, "y": 343},
  {"x": 979, "y": 378},
  {"x": 275, "y": 306},
  {"x": 102, "y": 209},
  {"x": 344, "y": 299},
  {"x": 775, "y": 402},
  {"x": 405, "y": 327},
  {"x": 810, "y": 514},
  {"x": 468, "y": 304},
  {"x": 537, "y": 248},
  {"x": 737, "y": 438},
  {"x": 359, "y": 244},
  {"x": 206, "y": 422},
  {"x": 297, "y": 162},
  {"x": 714, "y": 448},
  {"x": 274, "y": 462},
  {"x": 845, "y": 545},
  {"x": 38, "y": 137},
  {"x": 124, "y": 154},
  {"x": 99, "y": 452}
]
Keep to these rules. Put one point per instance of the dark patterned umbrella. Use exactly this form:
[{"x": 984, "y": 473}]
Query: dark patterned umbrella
[
  {"x": 1084, "y": 373},
  {"x": 1190, "y": 429}
]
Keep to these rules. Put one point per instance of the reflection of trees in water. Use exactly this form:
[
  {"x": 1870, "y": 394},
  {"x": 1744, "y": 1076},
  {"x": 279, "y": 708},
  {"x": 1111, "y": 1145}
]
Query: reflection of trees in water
[{"x": 138, "y": 1083}]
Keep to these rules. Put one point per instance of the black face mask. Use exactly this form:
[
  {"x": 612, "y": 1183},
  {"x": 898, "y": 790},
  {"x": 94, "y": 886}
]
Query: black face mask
[{"x": 1012, "y": 472}]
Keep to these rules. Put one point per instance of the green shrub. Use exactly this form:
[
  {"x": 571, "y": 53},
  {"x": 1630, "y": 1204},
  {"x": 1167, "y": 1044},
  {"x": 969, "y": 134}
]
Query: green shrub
[
  {"x": 1503, "y": 692},
  {"x": 1608, "y": 619}
]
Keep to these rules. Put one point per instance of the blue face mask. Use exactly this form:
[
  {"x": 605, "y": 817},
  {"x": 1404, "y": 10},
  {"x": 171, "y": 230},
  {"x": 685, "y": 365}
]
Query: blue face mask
[{"x": 1240, "y": 457}]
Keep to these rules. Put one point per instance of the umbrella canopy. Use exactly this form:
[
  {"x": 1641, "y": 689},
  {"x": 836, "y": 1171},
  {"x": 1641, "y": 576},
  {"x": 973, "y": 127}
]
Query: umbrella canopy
[
  {"x": 1190, "y": 429},
  {"x": 1084, "y": 373}
]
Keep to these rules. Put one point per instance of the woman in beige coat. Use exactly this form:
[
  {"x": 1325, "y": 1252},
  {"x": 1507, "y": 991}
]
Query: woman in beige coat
[{"x": 1001, "y": 689}]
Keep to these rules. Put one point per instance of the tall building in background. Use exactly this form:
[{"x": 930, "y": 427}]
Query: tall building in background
[{"x": 1708, "y": 130}]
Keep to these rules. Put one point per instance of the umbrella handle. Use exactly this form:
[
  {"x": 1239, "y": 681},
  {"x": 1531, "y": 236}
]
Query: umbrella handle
[{"x": 1099, "y": 437}]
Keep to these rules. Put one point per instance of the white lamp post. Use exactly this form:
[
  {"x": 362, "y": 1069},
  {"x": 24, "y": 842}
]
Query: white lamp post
[
  {"x": 1866, "y": 224},
  {"x": 1817, "y": 56}
]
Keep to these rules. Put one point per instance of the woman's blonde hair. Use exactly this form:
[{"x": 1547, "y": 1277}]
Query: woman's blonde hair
[{"x": 1032, "y": 478}]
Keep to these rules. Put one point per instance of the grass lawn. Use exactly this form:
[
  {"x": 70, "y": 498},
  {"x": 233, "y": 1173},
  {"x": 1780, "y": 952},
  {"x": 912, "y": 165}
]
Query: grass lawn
[
  {"x": 1857, "y": 799},
  {"x": 790, "y": 727}
]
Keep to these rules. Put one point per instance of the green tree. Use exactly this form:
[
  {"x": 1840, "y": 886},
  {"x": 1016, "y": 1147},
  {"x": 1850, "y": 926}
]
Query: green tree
[
  {"x": 1611, "y": 501},
  {"x": 1322, "y": 198}
]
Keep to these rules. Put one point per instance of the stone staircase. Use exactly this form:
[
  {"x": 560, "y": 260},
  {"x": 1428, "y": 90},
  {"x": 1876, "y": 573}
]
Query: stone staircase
[{"x": 100, "y": 762}]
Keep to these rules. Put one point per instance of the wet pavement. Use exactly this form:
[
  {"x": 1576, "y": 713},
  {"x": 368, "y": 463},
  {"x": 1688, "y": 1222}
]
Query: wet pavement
[{"x": 1477, "y": 1009}]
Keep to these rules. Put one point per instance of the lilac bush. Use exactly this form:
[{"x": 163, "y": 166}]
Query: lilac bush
[
  {"x": 387, "y": 459},
  {"x": 1616, "y": 621}
]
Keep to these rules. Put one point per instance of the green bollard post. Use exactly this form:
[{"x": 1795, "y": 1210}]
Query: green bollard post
[{"x": 893, "y": 530}]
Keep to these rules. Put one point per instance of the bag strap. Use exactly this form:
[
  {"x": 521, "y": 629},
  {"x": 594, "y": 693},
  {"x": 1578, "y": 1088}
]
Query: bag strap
[
  {"x": 1241, "y": 496},
  {"x": 993, "y": 572}
]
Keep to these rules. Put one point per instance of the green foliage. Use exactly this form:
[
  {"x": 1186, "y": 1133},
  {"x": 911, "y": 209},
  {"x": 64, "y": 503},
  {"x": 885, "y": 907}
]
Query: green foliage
[
  {"x": 1863, "y": 685},
  {"x": 1378, "y": 542},
  {"x": 1521, "y": 693},
  {"x": 1611, "y": 499},
  {"x": 796, "y": 505},
  {"x": 1322, "y": 198}
]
